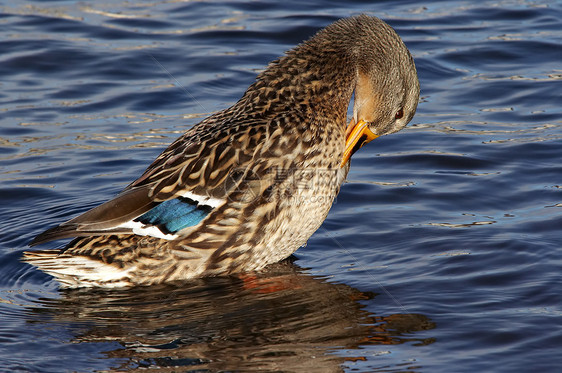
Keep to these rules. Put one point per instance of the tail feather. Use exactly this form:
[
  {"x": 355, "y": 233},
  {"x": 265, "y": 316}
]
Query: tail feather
[{"x": 78, "y": 271}]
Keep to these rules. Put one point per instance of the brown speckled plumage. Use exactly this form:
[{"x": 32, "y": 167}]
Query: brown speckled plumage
[{"x": 267, "y": 168}]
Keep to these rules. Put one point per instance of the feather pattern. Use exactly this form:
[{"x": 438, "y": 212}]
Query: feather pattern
[
  {"x": 248, "y": 185},
  {"x": 175, "y": 214}
]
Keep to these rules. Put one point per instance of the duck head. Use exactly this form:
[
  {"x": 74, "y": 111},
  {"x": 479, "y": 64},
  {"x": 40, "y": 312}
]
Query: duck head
[{"x": 386, "y": 86}]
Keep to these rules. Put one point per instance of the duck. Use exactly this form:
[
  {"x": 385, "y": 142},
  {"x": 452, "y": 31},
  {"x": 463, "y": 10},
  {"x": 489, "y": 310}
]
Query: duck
[{"x": 248, "y": 185}]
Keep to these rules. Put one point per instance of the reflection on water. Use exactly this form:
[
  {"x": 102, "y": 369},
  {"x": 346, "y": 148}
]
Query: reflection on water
[{"x": 280, "y": 320}]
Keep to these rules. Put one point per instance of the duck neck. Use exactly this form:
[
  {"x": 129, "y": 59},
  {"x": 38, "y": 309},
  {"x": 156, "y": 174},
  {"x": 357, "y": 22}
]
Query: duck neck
[{"x": 315, "y": 81}]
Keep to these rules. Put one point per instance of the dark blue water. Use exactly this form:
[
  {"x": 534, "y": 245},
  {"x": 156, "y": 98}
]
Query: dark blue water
[{"x": 441, "y": 254}]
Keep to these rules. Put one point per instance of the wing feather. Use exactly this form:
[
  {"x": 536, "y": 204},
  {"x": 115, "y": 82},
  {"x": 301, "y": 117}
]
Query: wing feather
[
  {"x": 103, "y": 219},
  {"x": 202, "y": 165}
]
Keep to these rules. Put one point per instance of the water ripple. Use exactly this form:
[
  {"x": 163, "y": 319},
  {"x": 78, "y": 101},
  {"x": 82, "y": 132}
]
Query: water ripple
[{"x": 440, "y": 253}]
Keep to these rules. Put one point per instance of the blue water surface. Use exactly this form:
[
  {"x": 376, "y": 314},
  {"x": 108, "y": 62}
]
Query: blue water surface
[{"x": 441, "y": 254}]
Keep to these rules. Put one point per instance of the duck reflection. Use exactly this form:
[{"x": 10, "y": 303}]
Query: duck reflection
[{"x": 282, "y": 319}]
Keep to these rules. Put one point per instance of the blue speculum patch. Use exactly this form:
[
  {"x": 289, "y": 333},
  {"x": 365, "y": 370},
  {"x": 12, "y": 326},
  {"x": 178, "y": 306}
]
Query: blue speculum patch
[{"x": 175, "y": 214}]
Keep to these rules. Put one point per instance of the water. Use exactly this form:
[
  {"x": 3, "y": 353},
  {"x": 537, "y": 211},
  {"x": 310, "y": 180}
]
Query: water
[{"x": 442, "y": 252}]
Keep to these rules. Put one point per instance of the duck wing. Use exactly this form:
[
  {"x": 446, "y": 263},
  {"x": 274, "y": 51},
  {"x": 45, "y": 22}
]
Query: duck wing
[{"x": 203, "y": 169}]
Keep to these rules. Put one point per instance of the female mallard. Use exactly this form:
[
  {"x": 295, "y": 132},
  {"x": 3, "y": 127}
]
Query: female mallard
[{"x": 249, "y": 185}]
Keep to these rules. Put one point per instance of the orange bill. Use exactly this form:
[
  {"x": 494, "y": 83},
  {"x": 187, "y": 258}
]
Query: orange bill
[{"x": 359, "y": 135}]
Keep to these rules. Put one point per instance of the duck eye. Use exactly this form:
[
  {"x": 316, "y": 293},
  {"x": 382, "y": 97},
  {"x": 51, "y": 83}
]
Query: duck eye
[{"x": 399, "y": 114}]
